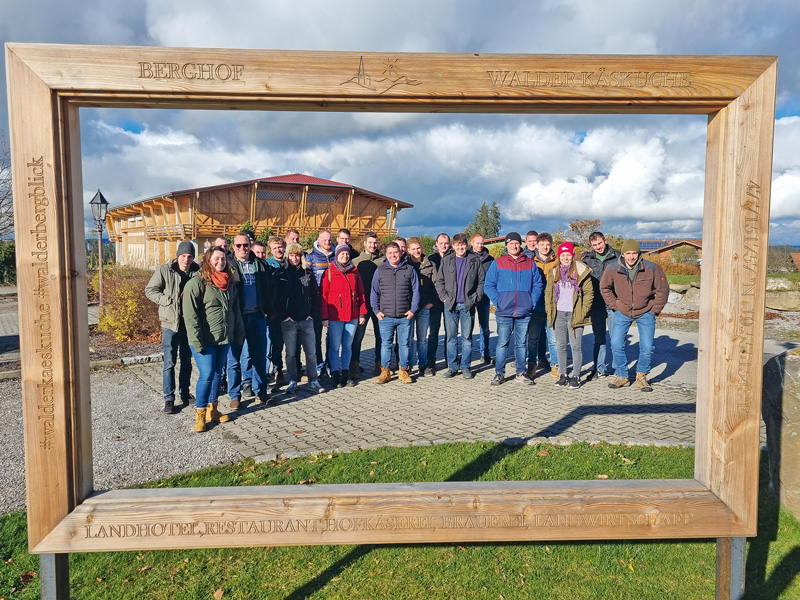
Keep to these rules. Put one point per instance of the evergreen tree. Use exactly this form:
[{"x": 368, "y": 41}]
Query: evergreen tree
[{"x": 486, "y": 221}]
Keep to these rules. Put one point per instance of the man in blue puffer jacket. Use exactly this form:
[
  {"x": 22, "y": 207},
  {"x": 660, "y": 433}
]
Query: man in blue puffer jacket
[{"x": 514, "y": 286}]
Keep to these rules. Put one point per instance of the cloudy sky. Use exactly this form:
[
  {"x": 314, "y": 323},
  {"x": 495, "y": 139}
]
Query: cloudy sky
[{"x": 642, "y": 175}]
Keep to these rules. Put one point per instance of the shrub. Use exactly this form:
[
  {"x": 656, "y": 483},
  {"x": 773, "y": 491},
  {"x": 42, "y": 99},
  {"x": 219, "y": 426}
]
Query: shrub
[
  {"x": 496, "y": 249},
  {"x": 8, "y": 263},
  {"x": 128, "y": 314},
  {"x": 673, "y": 267},
  {"x": 307, "y": 241}
]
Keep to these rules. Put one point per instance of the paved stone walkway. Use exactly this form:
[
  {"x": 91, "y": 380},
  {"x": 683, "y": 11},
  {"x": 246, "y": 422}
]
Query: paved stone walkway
[{"x": 434, "y": 409}]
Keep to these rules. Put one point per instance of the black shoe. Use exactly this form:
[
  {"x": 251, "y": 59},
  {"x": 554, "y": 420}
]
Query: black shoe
[
  {"x": 279, "y": 378},
  {"x": 562, "y": 381},
  {"x": 187, "y": 399},
  {"x": 430, "y": 371},
  {"x": 592, "y": 375},
  {"x": 487, "y": 360},
  {"x": 349, "y": 381},
  {"x": 343, "y": 376},
  {"x": 543, "y": 364},
  {"x": 223, "y": 386},
  {"x": 247, "y": 390},
  {"x": 169, "y": 407},
  {"x": 449, "y": 373},
  {"x": 264, "y": 398},
  {"x": 574, "y": 382},
  {"x": 335, "y": 377}
]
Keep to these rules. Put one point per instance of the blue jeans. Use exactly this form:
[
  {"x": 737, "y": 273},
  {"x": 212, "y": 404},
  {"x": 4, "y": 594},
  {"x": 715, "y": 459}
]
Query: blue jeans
[
  {"x": 422, "y": 323},
  {"x": 245, "y": 368},
  {"x": 341, "y": 334},
  {"x": 482, "y": 311},
  {"x": 536, "y": 335},
  {"x": 210, "y": 365},
  {"x": 646, "y": 324},
  {"x": 255, "y": 333},
  {"x": 452, "y": 318},
  {"x": 601, "y": 353},
  {"x": 174, "y": 344},
  {"x": 551, "y": 344},
  {"x": 297, "y": 334},
  {"x": 388, "y": 326},
  {"x": 504, "y": 328}
]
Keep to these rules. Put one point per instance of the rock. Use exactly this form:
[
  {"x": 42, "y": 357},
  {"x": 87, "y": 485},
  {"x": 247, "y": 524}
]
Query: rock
[
  {"x": 692, "y": 297},
  {"x": 781, "y": 412},
  {"x": 783, "y": 300},
  {"x": 695, "y": 284},
  {"x": 674, "y": 297},
  {"x": 680, "y": 288},
  {"x": 775, "y": 284}
]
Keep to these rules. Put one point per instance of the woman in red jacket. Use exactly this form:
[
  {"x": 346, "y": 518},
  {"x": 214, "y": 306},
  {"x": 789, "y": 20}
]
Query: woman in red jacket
[{"x": 343, "y": 308}]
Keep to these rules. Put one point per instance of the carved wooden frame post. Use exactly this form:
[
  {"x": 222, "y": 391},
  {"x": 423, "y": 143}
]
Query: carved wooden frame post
[{"x": 48, "y": 84}]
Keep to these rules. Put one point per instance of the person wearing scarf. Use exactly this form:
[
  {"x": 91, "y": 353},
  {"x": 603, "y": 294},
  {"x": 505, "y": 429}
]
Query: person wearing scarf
[
  {"x": 568, "y": 302},
  {"x": 343, "y": 307},
  {"x": 213, "y": 321}
]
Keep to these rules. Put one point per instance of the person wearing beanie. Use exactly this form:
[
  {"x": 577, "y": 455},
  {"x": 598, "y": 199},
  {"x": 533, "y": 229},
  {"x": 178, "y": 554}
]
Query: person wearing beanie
[
  {"x": 342, "y": 309},
  {"x": 637, "y": 291},
  {"x": 568, "y": 302},
  {"x": 165, "y": 288},
  {"x": 514, "y": 286}
]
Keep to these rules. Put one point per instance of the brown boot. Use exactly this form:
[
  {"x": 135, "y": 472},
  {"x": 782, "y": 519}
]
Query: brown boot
[
  {"x": 403, "y": 375},
  {"x": 213, "y": 415},
  {"x": 619, "y": 382},
  {"x": 554, "y": 372},
  {"x": 641, "y": 382},
  {"x": 385, "y": 376},
  {"x": 199, "y": 420}
]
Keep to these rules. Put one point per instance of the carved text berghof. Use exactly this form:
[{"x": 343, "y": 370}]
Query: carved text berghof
[{"x": 199, "y": 71}]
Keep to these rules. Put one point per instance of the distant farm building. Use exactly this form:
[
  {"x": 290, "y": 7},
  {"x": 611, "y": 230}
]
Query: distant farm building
[
  {"x": 147, "y": 232},
  {"x": 666, "y": 248}
]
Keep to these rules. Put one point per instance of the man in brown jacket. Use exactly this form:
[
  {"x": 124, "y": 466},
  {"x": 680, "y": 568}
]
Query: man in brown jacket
[{"x": 637, "y": 290}]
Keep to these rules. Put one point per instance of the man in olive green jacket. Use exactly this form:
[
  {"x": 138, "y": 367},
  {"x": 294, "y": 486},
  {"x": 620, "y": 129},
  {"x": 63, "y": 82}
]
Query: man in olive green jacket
[{"x": 165, "y": 288}]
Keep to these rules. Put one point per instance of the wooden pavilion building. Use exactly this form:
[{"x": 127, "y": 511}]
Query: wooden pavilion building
[{"x": 147, "y": 232}]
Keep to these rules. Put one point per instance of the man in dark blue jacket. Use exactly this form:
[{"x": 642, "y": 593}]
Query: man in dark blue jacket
[{"x": 514, "y": 286}]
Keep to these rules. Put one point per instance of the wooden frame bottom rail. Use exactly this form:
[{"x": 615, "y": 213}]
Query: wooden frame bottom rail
[{"x": 392, "y": 513}]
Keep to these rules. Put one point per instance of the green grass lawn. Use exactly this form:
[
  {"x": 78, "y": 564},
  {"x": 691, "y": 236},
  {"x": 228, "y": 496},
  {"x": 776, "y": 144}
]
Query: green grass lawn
[{"x": 682, "y": 569}]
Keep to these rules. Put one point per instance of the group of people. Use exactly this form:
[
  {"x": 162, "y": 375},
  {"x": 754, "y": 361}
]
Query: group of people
[{"x": 244, "y": 313}]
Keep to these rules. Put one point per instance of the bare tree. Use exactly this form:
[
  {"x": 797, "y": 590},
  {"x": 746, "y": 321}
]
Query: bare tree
[{"x": 6, "y": 195}]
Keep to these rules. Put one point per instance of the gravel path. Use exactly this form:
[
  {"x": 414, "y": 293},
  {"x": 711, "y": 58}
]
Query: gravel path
[{"x": 133, "y": 441}]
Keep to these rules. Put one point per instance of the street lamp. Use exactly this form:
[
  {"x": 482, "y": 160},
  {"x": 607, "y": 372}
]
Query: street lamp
[{"x": 99, "y": 206}]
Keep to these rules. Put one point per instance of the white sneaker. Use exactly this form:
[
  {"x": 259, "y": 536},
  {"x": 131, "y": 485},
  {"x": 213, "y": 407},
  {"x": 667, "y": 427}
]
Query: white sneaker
[
  {"x": 292, "y": 387},
  {"x": 316, "y": 387}
]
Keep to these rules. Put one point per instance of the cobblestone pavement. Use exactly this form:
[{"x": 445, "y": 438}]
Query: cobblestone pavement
[{"x": 434, "y": 409}]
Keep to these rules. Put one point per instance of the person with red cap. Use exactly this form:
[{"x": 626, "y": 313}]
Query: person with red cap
[{"x": 568, "y": 302}]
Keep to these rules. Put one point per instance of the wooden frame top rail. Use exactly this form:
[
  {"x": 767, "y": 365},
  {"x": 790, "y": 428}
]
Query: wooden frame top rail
[{"x": 49, "y": 83}]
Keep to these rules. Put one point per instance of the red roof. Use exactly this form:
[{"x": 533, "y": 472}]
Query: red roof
[{"x": 301, "y": 179}]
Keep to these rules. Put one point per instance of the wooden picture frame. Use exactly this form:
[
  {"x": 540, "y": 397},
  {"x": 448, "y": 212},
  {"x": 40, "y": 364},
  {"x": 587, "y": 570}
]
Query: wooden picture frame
[{"x": 49, "y": 83}]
